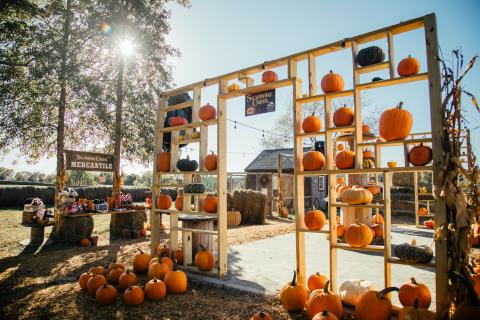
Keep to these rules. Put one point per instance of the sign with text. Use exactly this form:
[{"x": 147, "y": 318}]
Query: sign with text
[
  {"x": 89, "y": 161},
  {"x": 260, "y": 102}
]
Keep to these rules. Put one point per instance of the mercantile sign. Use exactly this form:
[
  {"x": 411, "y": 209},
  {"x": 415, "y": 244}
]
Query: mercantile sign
[{"x": 89, "y": 161}]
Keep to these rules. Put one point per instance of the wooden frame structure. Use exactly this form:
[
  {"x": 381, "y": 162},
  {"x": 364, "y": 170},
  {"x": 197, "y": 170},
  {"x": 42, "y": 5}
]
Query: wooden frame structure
[{"x": 428, "y": 23}]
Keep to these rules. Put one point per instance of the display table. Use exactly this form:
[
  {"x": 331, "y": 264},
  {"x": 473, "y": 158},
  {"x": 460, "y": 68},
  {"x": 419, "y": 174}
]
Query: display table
[{"x": 37, "y": 233}]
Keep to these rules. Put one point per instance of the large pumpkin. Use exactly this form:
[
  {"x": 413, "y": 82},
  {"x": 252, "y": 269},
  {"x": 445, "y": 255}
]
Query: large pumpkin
[
  {"x": 133, "y": 296},
  {"x": 163, "y": 161},
  {"x": 210, "y": 204},
  {"x": 315, "y": 219},
  {"x": 411, "y": 291},
  {"x": 269, "y": 76},
  {"x": 311, "y": 124},
  {"x": 207, "y": 112},
  {"x": 324, "y": 299},
  {"x": 176, "y": 280},
  {"x": 351, "y": 291},
  {"x": 127, "y": 279},
  {"x": 375, "y": 305},
  {"x": 186, "y": 165},
  {"x": 316, "y": 281},
  {"x": 210, "y": 162},
  {"x": 164, "y": 201},
  {"x": 293, "y": 295},
  {"x": 155, "y": 289},
  {"x": 106, "y": 295},
  {"x": 412, "y": 253},
  {"x": 343, "y": 117},
  {"x": 370, "y": 55},
  {"x": 420, "y": 155},
  {"x": 358, "y": 235},
  {"x": 94, "y": 283},
  {"x": 313, "y": 160},
  {"x": 357, "y": 195},
  {"x": 408, "y": 66},
  {"x": 141, "y": 261},
  {"x": 345, "y": 159},
  {"x": 204, "y": 259},
  {"x": 177, "y": 121},
  {"x": 395, "y": 123},
  {"x": 332, "y": 82}
]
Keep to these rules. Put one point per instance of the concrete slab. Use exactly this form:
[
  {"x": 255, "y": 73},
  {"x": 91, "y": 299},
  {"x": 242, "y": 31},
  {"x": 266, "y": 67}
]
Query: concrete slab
[{"x": 265, "y": 266}]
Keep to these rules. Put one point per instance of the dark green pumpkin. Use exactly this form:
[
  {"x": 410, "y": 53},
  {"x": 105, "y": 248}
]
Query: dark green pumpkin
[
  {"x": 413, "y": 253},
  {"x": 376, "y": 79},
  {"x": 194, "y": 188},
  {"x": 370, "y": 55},
  {"x": 187, "y": 164}
]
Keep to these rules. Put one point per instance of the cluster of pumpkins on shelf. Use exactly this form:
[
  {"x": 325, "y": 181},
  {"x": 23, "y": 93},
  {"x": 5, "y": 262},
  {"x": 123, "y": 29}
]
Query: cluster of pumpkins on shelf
[
  {"x": 161, "y": 271},
  {"x": 205, "y": 113},
  {"x": 210, "y": 201},
  {"x": 186, "y": 165},
  {"x": 370, "y": 303}
]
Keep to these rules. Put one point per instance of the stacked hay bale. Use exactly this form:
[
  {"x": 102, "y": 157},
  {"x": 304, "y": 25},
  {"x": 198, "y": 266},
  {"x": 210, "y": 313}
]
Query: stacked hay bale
[
  {"x": 251, "y": 204},
  {"x": 72, "y": 230},
  {"x": 129, "y": 221}
]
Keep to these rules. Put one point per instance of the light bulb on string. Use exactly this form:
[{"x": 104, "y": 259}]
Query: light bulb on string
[{"x": 235, "y": 125}]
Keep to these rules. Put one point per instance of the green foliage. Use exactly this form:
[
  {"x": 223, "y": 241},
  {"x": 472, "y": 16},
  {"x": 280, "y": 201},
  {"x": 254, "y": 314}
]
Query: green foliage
[{"x": 6, "y": 173}]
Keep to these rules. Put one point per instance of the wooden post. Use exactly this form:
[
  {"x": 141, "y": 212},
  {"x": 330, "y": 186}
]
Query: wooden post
[
  {"x": 387, "y": 207},
  {"x": 415, "y": 186}
]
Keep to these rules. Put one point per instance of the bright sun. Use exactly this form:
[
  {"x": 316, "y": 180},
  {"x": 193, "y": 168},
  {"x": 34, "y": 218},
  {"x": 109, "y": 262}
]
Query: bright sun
[{"x": 126, "y": 47}]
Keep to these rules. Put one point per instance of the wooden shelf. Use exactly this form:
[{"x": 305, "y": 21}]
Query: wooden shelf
[
  {"x": 213, "y": 232},
  {"x": 76, "y": 215},
  {"x": 396, "y": 260},
  {"x": 346, "y": 205},
  {"x": 379, "y": 170},
  {"x": 313, "y": 231},
  {"x": 310, "y": 134},
  {"x": 392, "y": 82},
  {"x": 186, "y": 141},
  {"x": 425, "y": 194},
  {"x": 345, "y": 246},
  {"x": 178, "y": 106},
  {"x": 332, "y": 95},
  {"x": 213, "y": 172},
  {"x": 193, "y": 213},
  {"x": 313, "y": 173},
  {"x": 342, "y": 129},
  {"x": 195, "y": 194},
  {"x": 168, "y": 211},
  {"x": 258, "y": 88},
  {"x": 427, "y": 216},
  {"x": 190, "y": 125},
  {"x": 373, "y": 67},
  {"x": 395, "y": 143}
]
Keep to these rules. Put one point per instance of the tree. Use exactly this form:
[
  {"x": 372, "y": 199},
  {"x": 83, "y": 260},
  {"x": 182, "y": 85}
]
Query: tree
[{"x": 6, "y": 173}]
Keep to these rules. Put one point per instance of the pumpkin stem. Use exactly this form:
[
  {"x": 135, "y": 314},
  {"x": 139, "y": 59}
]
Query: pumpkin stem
[
  {"x": 294, "y": 280},
  {"x": 202, "y": 247},
  {"x": 331, "y": 71},
  {"x": 400, "y": 105},
  {"x": 382, "y": 294},
  {"x": 174, "y": 264},
  {"x": 164, "y": 254},
  {"x": 471, "y": 292},
  {"x": 141, "y": 252},
  {"x": 413, "y": 242},
  {"x": 261, "y": 314},
  {"x": 413, "y": 281},
  {"x": 325, "y": 289},
  {"x": 325, "y": 313}
]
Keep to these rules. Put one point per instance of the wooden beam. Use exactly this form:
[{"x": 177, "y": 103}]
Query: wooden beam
[{"x": 312, "y": 75}]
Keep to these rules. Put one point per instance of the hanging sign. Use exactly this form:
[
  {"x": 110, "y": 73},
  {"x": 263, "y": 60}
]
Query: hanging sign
[
  {"x": 260, "y": 102},
  {"x": 89, "y": 161}
]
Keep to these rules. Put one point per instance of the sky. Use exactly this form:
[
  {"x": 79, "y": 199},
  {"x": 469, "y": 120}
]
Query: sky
[{"x": 220, "y": 36}]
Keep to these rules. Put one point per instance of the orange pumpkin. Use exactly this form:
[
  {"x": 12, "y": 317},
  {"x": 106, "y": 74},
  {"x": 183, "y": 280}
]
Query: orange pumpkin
[
  {"x": 374, "y": 189},
  {"x": 313, "y": 160},
  {"x": 97, "y": 270},
  {"x": 178, "y": 256},
  {"x": 94, "y": 283},
  {"x": 133, "y": 296},
  {"x": 261, "y": 316},
  {"x": 114, "y": 275},
  {"x": 377, "y": 218},
  {"x": 395, "y": 123},
  {"x": 207, "y": 112},
  {"x": 476, "y": 283},
  {"x": 378, "y": 230},
  {"x": 374, "y": 305},
  {"x": 340, "y": 230},
  {"x": 429, "y": 224},
  {"x": 106, "y": 295},
  {"x": 358, "y": 235},
  {"x": 210, "y": 204},
  {"x": 164, "y": 201},
  {"x": 169, "y": 262},
  {"x": 210, "y": 162},
  {"x": 315, "y": 219},
  {"x": 176, "y": 280},
  {"x": 343, "y": 117},
  {"x": 293, "y": 295},
  {"x": 340, "y": 180},
  {"x": 332, "y": 82},
  {"x": 340, "y": 147},
  {"x": 162, "y": 250},
  {"x": 155, "y": 289},
  {"x": 408, "y": 66},
  {"x": 411, "y": 291},
  {"x": 233, "y": 87},
  {"x": 420, "y": 155},
  {"x": 157, "y": 270},
  {"x": 85, "y": 242},
  {"x": 368, "y": 154},
  {"x": 179, "y": 203},
  {"x": 127, "y": 279},
  {"x": 84, "y": 277},
  {"x": 141, "y": 261},
  {"x": 365, "y": 128},
  {"x": 269, "y": 76},
  {"x": 324, "y": 299},
  {"x": 163, "y": 161},
  {"x": 422, "y": 211},
  {"x": 316, "y": 281},
  {"x": 311, "y": 124},
  {"x": 204, "y": 259},
  {"x": 345, "y": 159},
  {"x": 325, "y": 315},
  {"x": 115, "y": 265},
  {"x": 357, "y": 195}
]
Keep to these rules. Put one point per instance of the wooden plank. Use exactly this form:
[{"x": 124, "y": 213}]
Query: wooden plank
[
  {"x": 357, "y": 109},
  {"x": 329, "y": 159},
  {"x": 187, "y": 247},
  {"x": 341, "y": 129},
  {"x": 387, "y": 185},
  {"x": 346, "y": 205},
  {"x": 178, "y": 106},
  {"x": 396, "y": 260},
  {"x": 392, "y": 82},
  {"x": 292, "y": 68},
  {"x": 196, "y": 103},
  {"x": 186, "y": 141},
  {"x": 415, "y": 186},
  {"x": 312, "y": 75},
  {"x": 190, "y": 125},
  {"x": 370, "y": 248},
  {"x": 391, "y": 55},
  {"x": 320, "y": 97},
  {"x": 396, "y": 142},
  {"x": 332, "y": 218},
  {"x": 259, "y": 88},
  {"x": 310, "y": 134},
  {"x": 246, "y": 80},
  {"x": 313, "y": 231},
  {"x": 372, "y": 68},
  {"x": 213, "y": 232}
]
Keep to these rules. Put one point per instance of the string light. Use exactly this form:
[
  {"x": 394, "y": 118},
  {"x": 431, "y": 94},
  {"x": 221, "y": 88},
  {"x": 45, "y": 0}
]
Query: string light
[{"x": 258, "y": 129}]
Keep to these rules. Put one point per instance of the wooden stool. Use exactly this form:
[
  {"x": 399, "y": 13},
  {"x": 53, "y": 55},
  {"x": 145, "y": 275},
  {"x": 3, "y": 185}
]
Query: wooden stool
[{"x": 37, "y": 233}]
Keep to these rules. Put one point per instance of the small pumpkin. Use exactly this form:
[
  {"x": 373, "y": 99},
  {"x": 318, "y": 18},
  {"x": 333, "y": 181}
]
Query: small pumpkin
[
  {"x": 293, "y": 295},
  {"x": 210, "y": 162},
  {"x": 157, "y": 270},
  {"x": 314, "y": 219},
  {"x": 127, "y": 279},
  {"x": 186, "y": 165},
  {"x": 332, "y": 82},
  {"x": 368, "y": 154},
  {"x": 340, "y": 147},
  {"x": 466, "y": 310},
  {"x": 269, "y": 76},
  {"x": 311, "y": 124},
  {"x": 178, "y": 255},
  {"x": 233, "y": 87},
  {"x": 374, "y": 189},
  {"x": 340, "y": 180},
  {"x": 340, "y": 230},
  {"x": 194, "y": 188},
  {"x": 83, "y": 279},
  {"x": 163, "y": 161},
  {"x": 370, "y": 55},
  {"x": 374, "y": 305},
  {"x": 325, "y": 315},
  {"x": 316, "y": 281},
  {"x": 169, "y": 262},
  {"x": 85, "y": 242},
  {"x": 141, "y": 261},
  {"x": 97, "y": 270},
  {"x": 204, "y": 259},
  {"x": 313, "y": 160},
  {"x": 413, "y": 290},
  {"x": 176, "y": 280},
  {"x": 133, "y": 296},
  {"x": 162, "y": 250},
  {"x": 378, "y": 230},
  {"x": 357, "y": 195},
  {"x": 352, "y": 291},
  {"x": 415, "y": 313},
  {"x": 345, "y": 159},
  {"x": 343, "y": 117},
  {"x": 422, "y": 211},
  {"x": 177, "y": 121},
  {"x": 358, "y": 235},
  {"x": 377, "y": 218},
  {"x": 164, "y": 201},
  {"x": 412, "y": 253},
  {"x": 261, "y": 316},
  {"x": 210, "y": 204},
  {"x": 324, "y": 299},
  {"x": 429, "y": 223},
  {"x": 420, "y": 155},
  {"x": 408, "y": 66},
  {"x": 395, "y": 123},
  {"x": 179, "y": 203},
  {"x": 155, "y": 289},
  {"x": 114, "y": 275},
  {"x": 115, "y": 265},
  {"x": 365, "y": 128},
  {"x": 106, "y": 295},
  {"x": 207, "y": 112},
  {"x": 94, "y": 283}
]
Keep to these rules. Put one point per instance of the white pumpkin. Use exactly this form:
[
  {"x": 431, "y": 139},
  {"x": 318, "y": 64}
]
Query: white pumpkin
[{"x": 351, "y": 291}]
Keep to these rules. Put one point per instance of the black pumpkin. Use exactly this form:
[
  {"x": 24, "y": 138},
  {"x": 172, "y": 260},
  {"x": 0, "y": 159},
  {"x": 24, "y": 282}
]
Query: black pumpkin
[
  {"x": 376, "y": 79},
  {"x": 370, "y": 55},
  {"x": 413, "y": 253},
  {"x": 194, "y": 188},
  {"x": 187, "y": 164}
]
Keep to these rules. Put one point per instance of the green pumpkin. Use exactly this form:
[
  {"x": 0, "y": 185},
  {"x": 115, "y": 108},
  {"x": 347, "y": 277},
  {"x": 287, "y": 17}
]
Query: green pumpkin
[
  {"x": 370, "y": 55},
  {"x": 187, "y": 164},
  {"x": 413, "y": 253},
  {"x": 376, "y": 79},
  {"x": 194, "y": 188}
]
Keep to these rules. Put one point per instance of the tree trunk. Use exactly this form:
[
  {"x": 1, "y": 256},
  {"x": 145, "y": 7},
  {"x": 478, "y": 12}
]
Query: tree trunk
[{"x": 117, "y": 176}]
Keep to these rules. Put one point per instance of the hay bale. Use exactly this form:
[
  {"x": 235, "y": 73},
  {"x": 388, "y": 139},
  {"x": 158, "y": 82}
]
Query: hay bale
[
  {"x": 251, "y": 204},
  {"x": 230, "y": 206},
  {"x": 131, "y": 221},
  {"x": 72, "y": 230}
]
